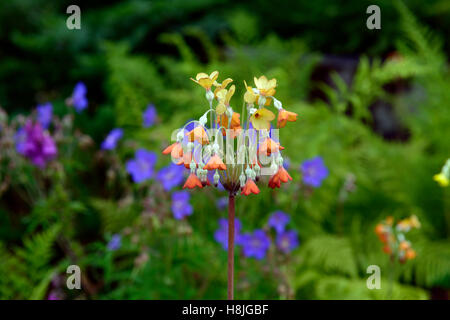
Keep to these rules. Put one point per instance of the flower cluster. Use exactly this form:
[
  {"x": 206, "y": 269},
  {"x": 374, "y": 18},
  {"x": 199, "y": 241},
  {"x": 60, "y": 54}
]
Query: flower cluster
[
  {"x": 393, "y": 238},
  {"x": 256, "y": 244},
  {"x": 36, "y": 144},
  {"x": 201, "y": 149},
  {"x": 443, "y": 178}
]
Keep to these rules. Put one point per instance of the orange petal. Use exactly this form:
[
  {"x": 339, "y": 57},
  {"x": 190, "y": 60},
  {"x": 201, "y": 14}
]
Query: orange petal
[
  {"x": 192, "y": 182},
  {"x": 283, "y": 175},
  {"x": 215, "y": 163},
  {"x": 250, "y": 187}
]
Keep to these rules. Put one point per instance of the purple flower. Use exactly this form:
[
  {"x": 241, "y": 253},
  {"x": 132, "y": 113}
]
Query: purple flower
[
  {"x": 19, "y": 139},
  {"x": 255, "y": 244},
  {"x": 78, "y": 99},
  {"x": 171, "y": 176},
  {"x": 141, "y": 167},
  {"x": 287, "y": 241},
  {"x": 314, "y": 171},
  {"x": 180, "y": 204},
  {"x": 45, "y": 114},
  {"x": 222, "y": 203},
  {"x": 149, "y": 116},
  {"x": 115, "y": 242},
  {"x": 278, "y": 221},
  {"x": 111, "y": 140},
  {"x": 37, "y": 145},
  {"x": 286, "y": 163},
  {"x": 221, "y": 234}
]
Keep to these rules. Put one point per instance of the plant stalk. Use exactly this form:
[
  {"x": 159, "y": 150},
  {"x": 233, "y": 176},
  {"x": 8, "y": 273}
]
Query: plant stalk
[{"x": 231, "y": 214}]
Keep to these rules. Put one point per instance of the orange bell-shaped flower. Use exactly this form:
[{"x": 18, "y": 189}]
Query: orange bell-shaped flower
[
  {"x": 274, "y": 181},
  {"x": 285, "y": 116},
  {"x": 250, "y": 187},
  {"x": 192, "y": 182},
  {"x": 175, "y": 149},
  {"x": 269, "y": 146},
  {"x": 283, "y": 175},
  {"x": 215, "y": 163},
  {"x": 186, "y": 159},
  {"x": 198, "y": 134}
]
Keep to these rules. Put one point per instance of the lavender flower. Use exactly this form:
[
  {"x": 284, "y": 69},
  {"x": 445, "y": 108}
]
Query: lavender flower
[
  {"x": 278, "y": 221},
  {"x": 78, "y": 98},
  {"x": 19, "y": 140},
  {"x": 141, "y": 167},
  {"x": 111, "y": 140},
  {"x": 37, "y": 145},
  {"x": 171, "y": 176},
  {"x": 115, "y": 243},
  {"x": 314, "y": 171},
  {"x": 221, "y": 234},
  {"x": 45, "y": 114},
  {"x": 286, "y": 163},
  {"x": 255, "y": 245},
  {"x": 222, "y": 203},
  {"x": 180, "y": 204},
  {"x": 149, "y": 116},
  {"x": 287, "y": 241}
]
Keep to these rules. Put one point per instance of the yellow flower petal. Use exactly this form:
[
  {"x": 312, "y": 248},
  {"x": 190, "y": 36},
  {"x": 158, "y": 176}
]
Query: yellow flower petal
[
  {"x": 220, "y": 109},
  {"x": 259, "y": 124},
  {"x": 441, "y": 179},
  {"x": 230, "y": 94},
  {"x": 214, "y": 75},
  {"x": 265, "y": 114},
  {"x": 201, "y": 75}
]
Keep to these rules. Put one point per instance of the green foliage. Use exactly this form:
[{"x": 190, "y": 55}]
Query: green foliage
[
  {"x": 28, "y": 269},
  {"x": 90, "y": 198}
]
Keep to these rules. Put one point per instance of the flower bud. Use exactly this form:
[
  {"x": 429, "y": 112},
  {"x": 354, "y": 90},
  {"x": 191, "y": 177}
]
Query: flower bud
[
  {"x": 261, "y": 101},
  {"x": 277, "y": 103},
  {"x": 203, "y": 120},
  {"x": 242, "y": 180},
  {"x": 209, "y": 96},
  {"x": 216, "y": 178}
]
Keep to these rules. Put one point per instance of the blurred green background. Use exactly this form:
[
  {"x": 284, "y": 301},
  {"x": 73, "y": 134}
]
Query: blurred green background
[{"x": 374, "y": 104}]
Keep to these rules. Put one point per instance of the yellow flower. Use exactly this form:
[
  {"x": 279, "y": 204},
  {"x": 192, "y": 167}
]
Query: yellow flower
[
  {"x": 224, "y": 97},
  {"x": 261, "y": 119},
  {"x": 265, "y": 87},
  {"x": 249, "y": 96},
  {"x": 206, "y": 81},
  {"x": 414, "y": 221},
  {"x": 222, "y": 85},
  {"x": 441, "y": 179}
]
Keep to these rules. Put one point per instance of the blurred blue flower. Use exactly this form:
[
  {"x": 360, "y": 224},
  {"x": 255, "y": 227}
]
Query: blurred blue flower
[
  {"x": 287, "y": 241},
  {"x": 111, "y": 140},
  {"x": 255, "y": 244},
  {"x": 180, "y": 204},
  {"x": 171, "y": 176},
  {"x": 78, "y": 99},
  {"x": 115, "y": 242},
  {"x": 278, "y": 221},
  {"x": 222, "y": 203},
  {"x": 45, "y": 114},
  {"x": 19, "y": 140},
  {"x": 141, "y": 167},
  {"x": 286, "y": 163},
  {"x": 149, "y": 116},
  {"x": 314, "y": 171},
  {"x": 221, "y": 234}
]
